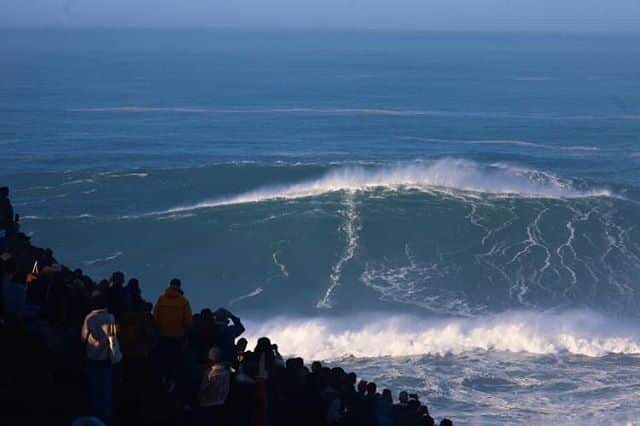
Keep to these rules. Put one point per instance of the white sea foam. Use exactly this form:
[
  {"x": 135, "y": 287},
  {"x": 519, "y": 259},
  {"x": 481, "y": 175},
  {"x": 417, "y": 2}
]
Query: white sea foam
[
  {"x": 136, "y": 109},
  {"x": 577, "y": 332},
  {"x": 513, "y": 142},
  {"x": 254, "y": 293},
  {"x": 445, "y": 175},
  {"x": 281, "y": 266},
  {"x": 350, "y": 228},
  {"x": 105, "y": 259}
]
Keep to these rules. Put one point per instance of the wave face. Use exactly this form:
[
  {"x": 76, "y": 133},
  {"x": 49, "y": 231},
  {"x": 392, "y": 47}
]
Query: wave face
[
  {"x": 444, "y": 237},
  {"x": 450, "y": 237}
]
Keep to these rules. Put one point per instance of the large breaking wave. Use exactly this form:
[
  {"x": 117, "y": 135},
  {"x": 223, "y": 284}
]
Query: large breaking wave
[
  {"x": 449, "y": 237},
  {"x": 445, "y": 176},
  {"x": 543, "y": 333}
]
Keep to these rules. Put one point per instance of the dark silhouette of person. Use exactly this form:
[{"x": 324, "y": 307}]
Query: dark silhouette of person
[
  {"x": 133, "y": 296},
  {"x": 7, "y": 218},
  {"x": 228, "y": 329},
  {"x": 117, "y": 294}
]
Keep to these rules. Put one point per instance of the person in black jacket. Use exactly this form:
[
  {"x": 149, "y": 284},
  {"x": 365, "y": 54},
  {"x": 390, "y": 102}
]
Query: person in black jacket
[{"x": 7, "y": 220}]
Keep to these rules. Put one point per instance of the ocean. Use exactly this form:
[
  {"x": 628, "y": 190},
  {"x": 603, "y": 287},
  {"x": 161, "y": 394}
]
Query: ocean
[{"x": 452, "y": 214}]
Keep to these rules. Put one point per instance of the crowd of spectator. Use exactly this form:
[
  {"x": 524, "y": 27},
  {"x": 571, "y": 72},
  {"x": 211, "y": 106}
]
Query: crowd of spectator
[{"x": 87, "y": 353}]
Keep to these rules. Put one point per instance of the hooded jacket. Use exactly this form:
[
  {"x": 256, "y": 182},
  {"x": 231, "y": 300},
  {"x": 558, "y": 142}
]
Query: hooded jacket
[{"x": 172, "y": 314}]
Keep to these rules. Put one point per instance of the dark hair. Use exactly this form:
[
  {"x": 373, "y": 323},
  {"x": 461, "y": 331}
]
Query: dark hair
[
  {"x": 175, "y": 283},
  {"x": 98, "y": 300},
  {"x": 215, "y": 354},
  {"x": 4, "y": 191},
  {"x": 446, "y": 422},
  {"x": 117, "y": 277}
]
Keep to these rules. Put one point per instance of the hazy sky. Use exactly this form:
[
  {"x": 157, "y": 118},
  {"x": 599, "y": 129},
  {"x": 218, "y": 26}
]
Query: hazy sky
[{"x": 498, "y": 15}]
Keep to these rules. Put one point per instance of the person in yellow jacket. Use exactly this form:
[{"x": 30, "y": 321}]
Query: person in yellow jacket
[{"x": 172, "y": 317}]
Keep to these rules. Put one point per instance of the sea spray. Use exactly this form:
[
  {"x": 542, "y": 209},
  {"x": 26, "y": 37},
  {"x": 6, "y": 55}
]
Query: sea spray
[{"x": 579, "y": 332}]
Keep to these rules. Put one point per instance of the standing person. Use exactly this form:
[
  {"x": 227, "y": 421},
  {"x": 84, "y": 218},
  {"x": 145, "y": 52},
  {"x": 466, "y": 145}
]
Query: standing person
[
  {"x": 229, "y": 328},
  {"x": 384, "y": 407},
  {"x": 98, "y": 325},
  {"x": 214, "y": 390},
  {"x": 7, "y": 220},
  {"x": 241, "y": 347},
  {"x": 117, "y": 294},
  {"x": 14, "y": 294},
  {"x": 136, "y": 338},
  {"x": 172, "y": 316},
  {"x": 133, "y": 296}
]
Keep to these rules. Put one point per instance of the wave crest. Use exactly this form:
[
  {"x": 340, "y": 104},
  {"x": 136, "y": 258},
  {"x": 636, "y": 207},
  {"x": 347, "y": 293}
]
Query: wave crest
[
  {"x": 445, "y": 175},
  {"x": 579, "y": 332}
]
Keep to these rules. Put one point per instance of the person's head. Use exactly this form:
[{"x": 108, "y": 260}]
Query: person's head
[
  {"x": 4, "y": 191},
  {"x": 78, "y": 273},
  {"x": 206, "y": 314},
  {"x": 134, "y": 285},
  {"x": 372, "y": 388},
  {"x": 316, "y": 366},
  {"x": 362, "y": 386},
  {"x": 403, "y": 397},
  {"x": 446, "y": 422},
  {"x": 352, "y": 378},
  {"x": 117, "y": 278},
  {"x": 241, "y": 345},
  {"x": 215, "y": 355},
  {"x": 98, "y": 300},
  {"x": 387, "y": 396},
  {"x": 263, "y": 345},
  {"x": 176, "y": 284},
  {"x": 221, "y": 317}
]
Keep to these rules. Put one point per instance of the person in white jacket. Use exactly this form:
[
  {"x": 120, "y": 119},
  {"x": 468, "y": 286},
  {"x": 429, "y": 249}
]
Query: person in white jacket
[
  {"x": 98, "y": 325},
  {"x": 214, "y": 390}
]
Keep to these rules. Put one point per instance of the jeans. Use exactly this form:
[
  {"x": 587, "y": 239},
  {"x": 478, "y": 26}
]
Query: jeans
[{"x": 99, "y": 376}]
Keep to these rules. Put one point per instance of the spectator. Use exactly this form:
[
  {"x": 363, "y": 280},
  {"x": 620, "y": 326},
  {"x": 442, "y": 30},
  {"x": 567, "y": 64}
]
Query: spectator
[
  {"x": 136, "y": 339},
  {"x": 14, "y": 294},
  {"x": 172, "y": 316},
  {"x": 384, "y": 407},
  {"x": 214, "y": 390},
  {"x": 133, "y": 295},
  {"x": 7, "y": 219},
  {"x": 229, "y": 328},
  {"x": 98, "y": 325},
  {"x": 117, "y": 294},
  {"x": 401, "y": 412},
  {"x": 203, "y": 335},
  {"x": 241, "y": 347}
]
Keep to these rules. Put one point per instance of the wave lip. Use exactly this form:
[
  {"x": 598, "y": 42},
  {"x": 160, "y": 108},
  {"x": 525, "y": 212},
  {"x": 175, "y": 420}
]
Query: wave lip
[
  {"x": 582, "y": 333},
  {"x": 445, "y": 175}
]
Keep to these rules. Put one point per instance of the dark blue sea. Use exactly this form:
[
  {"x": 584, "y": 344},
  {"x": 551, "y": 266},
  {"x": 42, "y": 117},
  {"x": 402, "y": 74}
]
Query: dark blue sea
[{"x": 451, "y": 214}]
